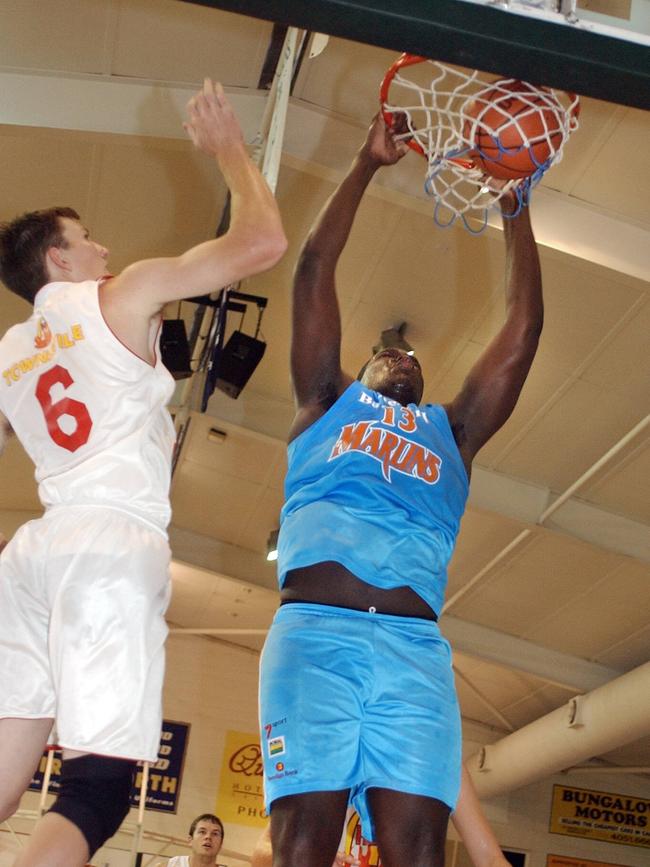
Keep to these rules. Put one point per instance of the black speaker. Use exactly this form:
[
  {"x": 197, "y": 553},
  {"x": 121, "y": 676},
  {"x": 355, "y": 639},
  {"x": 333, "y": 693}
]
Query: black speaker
[
  {"x": 237, "y": 361},
  {"x": 175, "y": 349}
]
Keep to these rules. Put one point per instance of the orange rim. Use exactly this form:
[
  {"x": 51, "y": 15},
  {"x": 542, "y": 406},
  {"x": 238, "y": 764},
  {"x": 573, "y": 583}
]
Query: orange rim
[{"x": 403, "y": 61}]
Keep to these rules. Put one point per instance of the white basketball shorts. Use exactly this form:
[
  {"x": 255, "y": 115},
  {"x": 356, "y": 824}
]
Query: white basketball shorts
[{"x": 83, "y": 594}]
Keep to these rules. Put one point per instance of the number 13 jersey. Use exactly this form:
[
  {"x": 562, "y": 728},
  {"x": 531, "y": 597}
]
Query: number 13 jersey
[
  {"x": 379, "y": 488},
  {"x": 89, "y": 412}
]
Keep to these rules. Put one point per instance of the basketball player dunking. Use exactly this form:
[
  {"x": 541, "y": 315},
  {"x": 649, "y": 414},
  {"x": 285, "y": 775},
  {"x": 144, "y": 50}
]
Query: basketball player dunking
[
  {"x": 357, "y": 700},
  {"x": 83, "y": 590}
]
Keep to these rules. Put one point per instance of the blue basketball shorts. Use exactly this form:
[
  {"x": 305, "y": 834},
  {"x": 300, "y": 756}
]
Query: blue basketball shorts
[{"x": 355, "y": 700}]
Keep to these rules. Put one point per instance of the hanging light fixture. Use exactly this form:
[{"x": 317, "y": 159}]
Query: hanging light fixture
[{"x": 393, "y": 337}]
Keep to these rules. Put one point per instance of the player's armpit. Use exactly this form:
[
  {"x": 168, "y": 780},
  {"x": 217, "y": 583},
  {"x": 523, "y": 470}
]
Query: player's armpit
[{"x": 5, "y": 432}]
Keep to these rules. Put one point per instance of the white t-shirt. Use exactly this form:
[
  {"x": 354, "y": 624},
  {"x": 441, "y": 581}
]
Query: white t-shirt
[
  {"x": 89, "y": 412},
  {"x": 179, "y": 861}
]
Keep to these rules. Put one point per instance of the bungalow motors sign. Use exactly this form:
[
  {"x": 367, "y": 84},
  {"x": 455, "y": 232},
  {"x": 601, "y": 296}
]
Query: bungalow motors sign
[{"x": 600, "y": 816}]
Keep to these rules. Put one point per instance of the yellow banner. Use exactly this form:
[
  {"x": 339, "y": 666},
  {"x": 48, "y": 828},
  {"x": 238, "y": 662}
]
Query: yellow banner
[
  {"x": 598, "y": 815},
  {"x": 569, "y": 861},
  {"x": 240, "y": 796}
]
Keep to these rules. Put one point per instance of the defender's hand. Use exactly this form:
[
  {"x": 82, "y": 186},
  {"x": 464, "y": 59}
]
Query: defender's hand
[
  {"x": 211, "y": 121},
  {"x": 382, "y": 146}
]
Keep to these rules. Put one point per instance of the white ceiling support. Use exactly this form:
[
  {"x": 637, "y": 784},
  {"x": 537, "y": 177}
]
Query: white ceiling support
[
  {"x": 595, "y": 468},
  {"x": 557, "y": 504},
  {"x": 572, "y": 227},
  {"x": 611, "y": 716},
  {"x": 605, "y": 529},
  {"x": 103, "y": 104},
  {"x": 560, "y": 669},
  {"x": 503, "y": 553},
  {"x": 484, "y": 701},
  {"x": 490, "y": 491}
]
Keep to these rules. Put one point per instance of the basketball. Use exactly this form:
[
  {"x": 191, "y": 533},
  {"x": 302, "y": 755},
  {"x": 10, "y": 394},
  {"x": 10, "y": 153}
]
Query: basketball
[{"x": 513, "y": 129}]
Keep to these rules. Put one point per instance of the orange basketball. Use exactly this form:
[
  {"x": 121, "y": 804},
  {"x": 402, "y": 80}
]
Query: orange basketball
[{"x": 513, "y": 129}]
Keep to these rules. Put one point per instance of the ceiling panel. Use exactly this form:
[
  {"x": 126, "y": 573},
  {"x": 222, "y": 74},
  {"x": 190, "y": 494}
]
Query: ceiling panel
[
  {"x": 623, "y": 488},
  {"x": 597, "y": 419},
  {"x": 618, "y": 190},
  {"x": 597, "y": 122},
  {"x": 627, "y": 653},
  {"x": 239, "y": 453},
  {"x": 623, "y": 362},
  {"x": 540, "y": 391},
  {"x": 614, "y": 607},
  {"x": 261, "y": 520},
  {"x": 170, "y": 41},
  {"x": 153, "y": 198},
  {"x": 62, "y": 35},
  {"x": 482, "y": 536},
  {"x": 211, "y": 503},
  {"x": 580, "y": 309},
  {"x": 30, "y": 180},
  {"x": 345, "y": 78},
  {"x": 541, "y": 576}
]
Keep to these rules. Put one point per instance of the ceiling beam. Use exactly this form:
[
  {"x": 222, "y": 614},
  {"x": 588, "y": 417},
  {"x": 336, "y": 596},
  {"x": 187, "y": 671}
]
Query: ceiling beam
[
  {"x": 106, "y": 105},
  {"x": 545, "y": 49},
  {"x": 561, "y": 669},
  {"x": 244, "y": 565}
]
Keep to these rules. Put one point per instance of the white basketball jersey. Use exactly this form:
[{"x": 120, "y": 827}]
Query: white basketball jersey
[{"x": 89, "y": 412}]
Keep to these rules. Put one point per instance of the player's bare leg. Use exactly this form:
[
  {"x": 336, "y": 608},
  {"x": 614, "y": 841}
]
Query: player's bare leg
[
  {"x": 409, "y": 829},
  {"x": 22, "y": 742},
  {"x": 306, "y": 829},
  {"x": 55, "y": 842}
]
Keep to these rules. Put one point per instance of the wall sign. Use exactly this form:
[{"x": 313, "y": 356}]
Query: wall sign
[{"x": 595, "y": 815}]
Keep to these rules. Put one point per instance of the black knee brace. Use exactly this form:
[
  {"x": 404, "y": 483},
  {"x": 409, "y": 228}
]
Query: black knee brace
[{"x": 94, "y": 796}]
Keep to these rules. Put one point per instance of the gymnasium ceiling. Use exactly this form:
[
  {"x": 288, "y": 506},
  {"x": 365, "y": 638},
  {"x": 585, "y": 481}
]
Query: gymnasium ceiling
[{"x": 90, "y": 103}]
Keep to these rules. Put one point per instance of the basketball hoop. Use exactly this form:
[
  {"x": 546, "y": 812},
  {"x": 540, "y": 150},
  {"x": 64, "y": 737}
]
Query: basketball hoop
[{"x": 480, "y": 138}]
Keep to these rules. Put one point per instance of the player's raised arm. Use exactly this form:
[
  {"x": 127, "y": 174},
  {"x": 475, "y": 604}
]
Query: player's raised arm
[
  {"x": 255, "y": 239},
  {"x": 475, "y": 832},
  {"x": 490, "y": 392},
  {"x": 316, "y": 343}
]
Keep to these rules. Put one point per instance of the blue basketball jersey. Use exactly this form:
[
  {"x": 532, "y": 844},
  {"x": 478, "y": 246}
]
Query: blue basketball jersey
[{"x": 379, "y": 488}]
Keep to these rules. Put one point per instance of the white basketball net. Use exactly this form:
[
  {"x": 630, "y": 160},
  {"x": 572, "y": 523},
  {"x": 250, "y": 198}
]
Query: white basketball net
[{"x": 444, "y": 117}]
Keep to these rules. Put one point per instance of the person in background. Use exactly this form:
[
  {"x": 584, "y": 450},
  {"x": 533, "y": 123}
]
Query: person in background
[{"x": 205, "y": 839}]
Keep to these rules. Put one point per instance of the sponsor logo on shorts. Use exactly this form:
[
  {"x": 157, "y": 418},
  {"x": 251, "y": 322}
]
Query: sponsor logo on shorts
[
  {"x": 279, "y": 766},
  {"x": 283, "y": 773},
  {"x": 276, "y": 746}
]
